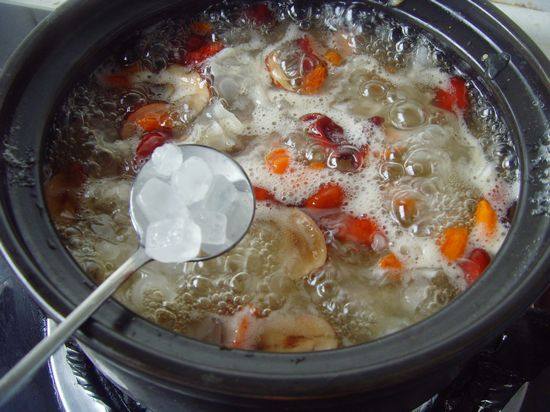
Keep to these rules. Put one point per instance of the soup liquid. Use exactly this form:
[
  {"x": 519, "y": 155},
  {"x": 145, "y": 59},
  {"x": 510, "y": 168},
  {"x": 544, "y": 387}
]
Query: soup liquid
[{"x": 384, "y": 179}]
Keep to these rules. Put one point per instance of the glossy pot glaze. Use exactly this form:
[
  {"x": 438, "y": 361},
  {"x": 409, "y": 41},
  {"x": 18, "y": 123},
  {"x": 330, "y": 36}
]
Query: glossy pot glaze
[{"x": 164, "y": 370}]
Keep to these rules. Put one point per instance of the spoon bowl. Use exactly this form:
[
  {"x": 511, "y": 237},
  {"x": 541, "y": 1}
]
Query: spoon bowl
[{"x": 220, "y": 164}]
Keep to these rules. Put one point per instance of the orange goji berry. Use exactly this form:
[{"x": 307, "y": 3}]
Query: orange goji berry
[
  {"x": 453, "y": 242},
  {"x": 277, "y": 161},
  {"x": 486, "y": 217},
  {"x": 360, "y": 230},
  {"x": 457, "y": 95},
  {"x": 390, "y": 261},
  {"x": 317, "y": 165},
  {"x": 151, "y": 117},
  {"x": 333, "y": 57},
  {"x": 314, "y": 80},
  {"x": 329, "y": 196},
  {"x": 262, "y": 194}
]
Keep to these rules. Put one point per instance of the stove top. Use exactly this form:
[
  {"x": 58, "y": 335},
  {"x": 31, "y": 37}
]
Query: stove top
[{"x": 511, "y": 374}]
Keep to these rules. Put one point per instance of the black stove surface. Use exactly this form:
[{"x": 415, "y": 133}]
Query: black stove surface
[
  {"x": 22, "y": 325},
  {"x": 487, "y": 382}
]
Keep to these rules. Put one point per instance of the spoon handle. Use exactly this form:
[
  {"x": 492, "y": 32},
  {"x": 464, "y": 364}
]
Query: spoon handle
[{"x": 21, "y": 373}]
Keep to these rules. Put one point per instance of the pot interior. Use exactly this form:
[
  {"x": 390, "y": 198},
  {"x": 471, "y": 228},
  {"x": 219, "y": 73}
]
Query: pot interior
[{"x": 38, "y": 79}]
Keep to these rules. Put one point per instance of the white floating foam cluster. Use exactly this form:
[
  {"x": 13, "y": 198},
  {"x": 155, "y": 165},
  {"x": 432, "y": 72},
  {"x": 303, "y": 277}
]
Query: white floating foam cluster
[{"x": 186, "y": 206}]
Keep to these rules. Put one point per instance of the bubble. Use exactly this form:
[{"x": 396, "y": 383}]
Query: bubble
[
  {"x": 346, "y": 159},
  {"x": 238, "y": 282},
  {"x": 326, "y": 289},
  {"x": 405, "y": 208},
  {"x": 301, "y": 14},
  {"x": 379, "y": 242},
  {"x": 316, "y": 153},
  {"x": 155, "y": 57},
  {"x": 423, "y": 162},
  {"x": 406, "y": 115},
  {"x": 199, "y": 286},
  {"x": 375, "y": 90},
  {"x": 391, "y": 171}
]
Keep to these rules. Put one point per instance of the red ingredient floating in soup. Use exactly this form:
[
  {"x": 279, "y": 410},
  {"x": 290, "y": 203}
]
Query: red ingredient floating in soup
[
  {"x": 149, "y": 118},
  {"x": 475, "y": 264},
  {"x": 148, "y": 143},
  {"x": 455, "y": 96},
  {"x": 260, "y": 14},
  {"x": 322, "y": 129},
  {"x": 330, "y": 196}
]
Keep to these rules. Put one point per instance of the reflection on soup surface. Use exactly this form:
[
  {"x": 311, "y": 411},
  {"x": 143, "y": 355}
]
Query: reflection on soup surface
[{"x": 384, "y": 180}]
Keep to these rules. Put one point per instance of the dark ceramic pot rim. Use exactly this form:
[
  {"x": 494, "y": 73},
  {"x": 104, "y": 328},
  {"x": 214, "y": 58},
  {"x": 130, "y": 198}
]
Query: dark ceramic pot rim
[{"x": 37, "y": 76}]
